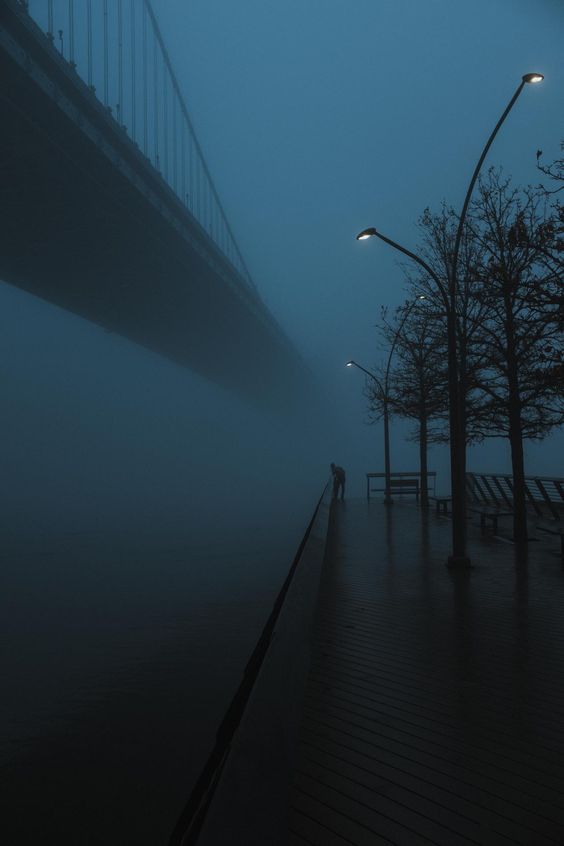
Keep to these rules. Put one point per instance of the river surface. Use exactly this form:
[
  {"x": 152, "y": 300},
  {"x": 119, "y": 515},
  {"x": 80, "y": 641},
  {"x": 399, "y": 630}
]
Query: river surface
[{"x": 121, "y": 649}]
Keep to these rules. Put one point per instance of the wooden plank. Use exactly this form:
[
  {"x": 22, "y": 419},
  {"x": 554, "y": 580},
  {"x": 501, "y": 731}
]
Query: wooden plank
[
  {"x": 509, "y": 819},
  {"x": 434, "y": 708},
  {"x": 347, "y": 820},
  {"x": 408, "y": 808}
]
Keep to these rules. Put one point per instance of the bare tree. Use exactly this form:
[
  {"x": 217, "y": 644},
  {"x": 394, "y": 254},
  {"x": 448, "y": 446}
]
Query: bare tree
[
  {"x": 555, "y": 171},
  {"x": 519, "y": 284},
  {"x": 438, "y": 231},
  {"x": 418, "y": 383}
]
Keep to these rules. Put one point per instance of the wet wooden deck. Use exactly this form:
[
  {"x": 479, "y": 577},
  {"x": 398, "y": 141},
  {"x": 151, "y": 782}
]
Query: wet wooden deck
[{"x": 434, "y": 707}]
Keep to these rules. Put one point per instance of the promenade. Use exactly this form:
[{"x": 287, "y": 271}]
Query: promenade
[{"x": 434, "y": 705}]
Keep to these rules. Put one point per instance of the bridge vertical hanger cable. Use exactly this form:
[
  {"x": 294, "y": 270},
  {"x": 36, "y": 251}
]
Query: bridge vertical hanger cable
[
  {"x": 105, "y": 52},
  {"x": 133, "y": 71},
  {"x": 191, "y": 187},
  {"x": 172, "y": 131},
  {"x": 89, "y": 40},
  {"x": 165, "y": 122},
  {"x": 183, "y": 160},
  {"x": 119, "y": 104},
  {"x": 238, "y": 260},
  {"x": 198, "y": 190},
  {"x": 156, "y": 101},
  {"x": 174, "y": 143},
  {"x": 145, "y": 81},
  {"x": 71, "y": 34},
  {"x": 50, "y": 34}
]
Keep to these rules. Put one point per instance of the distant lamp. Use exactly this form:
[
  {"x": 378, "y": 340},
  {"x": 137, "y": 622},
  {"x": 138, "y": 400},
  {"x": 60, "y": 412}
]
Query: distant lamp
[
  {"x": 533, "y": 77},
  {"x": 349, "y": 364},
  {"x": 366, "y": 233},
  {"x": 421, "y": 297}
]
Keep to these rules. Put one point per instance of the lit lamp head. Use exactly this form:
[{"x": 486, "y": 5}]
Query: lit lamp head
[
  {"x": 533, "y": 77},
  {"x": 349, "y": 364},
  {"x": 366, "y": 233},
  {"x": 421, "y": 297}
]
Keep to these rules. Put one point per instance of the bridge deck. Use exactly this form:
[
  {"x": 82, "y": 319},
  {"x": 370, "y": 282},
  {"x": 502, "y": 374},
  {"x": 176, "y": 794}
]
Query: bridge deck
[
  {"x": 434, "y": 704},
  {"x": 94, "y": 228}
]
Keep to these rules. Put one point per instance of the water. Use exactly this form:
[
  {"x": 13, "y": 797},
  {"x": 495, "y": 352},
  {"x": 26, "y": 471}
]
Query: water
[{"x": 121, "y": 650}]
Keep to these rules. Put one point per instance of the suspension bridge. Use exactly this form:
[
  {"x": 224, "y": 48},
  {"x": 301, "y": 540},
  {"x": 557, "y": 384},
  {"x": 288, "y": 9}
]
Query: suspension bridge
[{"x": 109, "y": 208}]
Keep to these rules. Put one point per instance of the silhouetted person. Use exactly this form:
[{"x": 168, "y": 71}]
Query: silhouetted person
[{"x": 338, "y": 481}]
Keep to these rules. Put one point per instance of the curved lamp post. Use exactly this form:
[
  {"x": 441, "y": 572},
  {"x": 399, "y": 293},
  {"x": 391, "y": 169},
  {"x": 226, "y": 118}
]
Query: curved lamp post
[
  {"x": 384, "y": 394},
  {"x": 457, "y": 435},
  {"x": 384, "y": 391}
]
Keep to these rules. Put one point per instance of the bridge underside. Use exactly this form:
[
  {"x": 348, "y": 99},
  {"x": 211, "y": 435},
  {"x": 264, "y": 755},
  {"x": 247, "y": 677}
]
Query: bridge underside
[{"x": 89, "y": 225}]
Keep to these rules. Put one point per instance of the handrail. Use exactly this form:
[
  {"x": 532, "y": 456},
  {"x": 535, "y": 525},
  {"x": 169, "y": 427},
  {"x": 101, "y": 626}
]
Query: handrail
[{"x": 189, "y": 824}]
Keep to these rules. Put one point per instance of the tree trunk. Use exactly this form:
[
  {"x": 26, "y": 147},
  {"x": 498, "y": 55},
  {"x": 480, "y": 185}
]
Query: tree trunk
[
  {"x": 423, "y": 460},
  {"x": 518, "y": 470},
  {"x": 514, "y": 428}
]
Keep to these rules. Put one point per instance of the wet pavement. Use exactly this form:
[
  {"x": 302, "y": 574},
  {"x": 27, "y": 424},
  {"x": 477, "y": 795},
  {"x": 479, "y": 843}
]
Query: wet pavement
[{"x": 435, "y": 701}]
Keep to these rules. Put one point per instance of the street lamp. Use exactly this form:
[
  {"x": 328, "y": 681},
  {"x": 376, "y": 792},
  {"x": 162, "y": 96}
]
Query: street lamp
[
  {"x": 457, "y": 434},
  {"x": 384, "y": 394},
  {"x": 384, "y": 391}
]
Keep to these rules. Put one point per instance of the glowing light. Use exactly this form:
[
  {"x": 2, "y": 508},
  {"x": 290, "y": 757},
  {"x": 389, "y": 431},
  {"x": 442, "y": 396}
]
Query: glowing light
[
  {"x": 366, "y": 233},
  {"x": 533, "y": 77}
]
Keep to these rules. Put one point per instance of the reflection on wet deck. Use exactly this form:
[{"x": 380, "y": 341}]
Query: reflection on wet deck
[{"x": 434, "y": 705}]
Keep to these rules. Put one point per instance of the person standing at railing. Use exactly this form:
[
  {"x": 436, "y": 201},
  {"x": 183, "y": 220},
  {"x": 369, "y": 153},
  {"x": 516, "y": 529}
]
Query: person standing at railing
[{"x": 338, "y": 481}]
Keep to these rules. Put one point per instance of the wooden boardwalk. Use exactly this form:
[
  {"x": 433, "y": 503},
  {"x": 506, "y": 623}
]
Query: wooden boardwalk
[{"x": 434, "y": 707}]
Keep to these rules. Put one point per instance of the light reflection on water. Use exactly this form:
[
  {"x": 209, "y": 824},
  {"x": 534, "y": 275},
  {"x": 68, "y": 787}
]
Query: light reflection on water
[{"x": 120, "y": 656}]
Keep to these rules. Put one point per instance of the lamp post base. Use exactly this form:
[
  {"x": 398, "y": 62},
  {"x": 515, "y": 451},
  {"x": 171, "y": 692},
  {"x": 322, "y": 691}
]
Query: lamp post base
[
  {"x": 459, "y": 562},
  {"x": 388, "y": 500}
]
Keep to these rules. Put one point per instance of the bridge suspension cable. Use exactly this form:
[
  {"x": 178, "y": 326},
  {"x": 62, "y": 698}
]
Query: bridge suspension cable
[{"x": 124, "y": 57}]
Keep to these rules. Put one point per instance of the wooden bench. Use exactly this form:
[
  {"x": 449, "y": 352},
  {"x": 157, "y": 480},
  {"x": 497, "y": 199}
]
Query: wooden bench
[
  {"x": 490, "y": 513},
  {"x": 406, "y": 486},
  {"x": 554, "y": 527},
  {"x": 408, "y": 482},
  {"x": 441, "y": 503}
]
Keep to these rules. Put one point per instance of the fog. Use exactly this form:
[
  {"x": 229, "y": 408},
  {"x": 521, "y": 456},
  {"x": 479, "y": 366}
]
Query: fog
[
  {"x": 147, "y": 510},
  {"x": 100, "y": 430},
  {"x": 316, "y": 121},
  {"x": 338, "y": 118}
]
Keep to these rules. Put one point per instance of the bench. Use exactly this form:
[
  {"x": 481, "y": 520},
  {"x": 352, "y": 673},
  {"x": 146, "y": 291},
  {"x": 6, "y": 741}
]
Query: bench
[
  {"x": 554, "y": 527},
  {"x": 402, "y": 483},
  {"x": 441, "y": 503},
  {"x": 490, "y": 513},
  {"x": 407, "y": 486}
]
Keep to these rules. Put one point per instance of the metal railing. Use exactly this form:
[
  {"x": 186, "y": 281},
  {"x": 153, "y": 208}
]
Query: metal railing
[
  {"x": 117, "y": 49},
  {"x": 544, "y": 493},
  {"x": 188, "y": 826}
]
